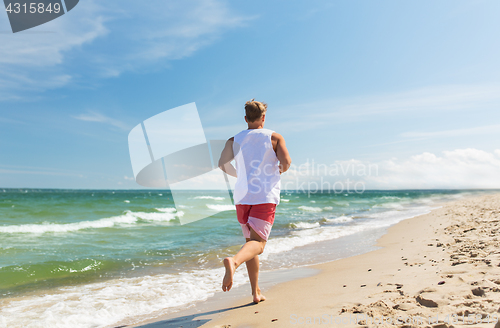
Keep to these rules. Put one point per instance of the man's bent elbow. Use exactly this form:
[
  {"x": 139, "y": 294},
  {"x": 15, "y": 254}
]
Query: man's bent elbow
[{"x": 285, "y": 165}]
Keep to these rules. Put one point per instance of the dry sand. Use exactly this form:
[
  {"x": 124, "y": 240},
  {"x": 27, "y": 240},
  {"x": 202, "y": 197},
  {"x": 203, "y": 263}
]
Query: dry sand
[{"x": 437, "y": 270}]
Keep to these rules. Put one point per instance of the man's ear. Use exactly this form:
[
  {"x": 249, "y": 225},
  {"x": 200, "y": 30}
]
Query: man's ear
[
  {"x": 246, "y": 119},
  {"x": 263, "y": 117}
]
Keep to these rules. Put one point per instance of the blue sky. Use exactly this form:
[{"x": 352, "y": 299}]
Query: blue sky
[{"x": 413, "y": 87}]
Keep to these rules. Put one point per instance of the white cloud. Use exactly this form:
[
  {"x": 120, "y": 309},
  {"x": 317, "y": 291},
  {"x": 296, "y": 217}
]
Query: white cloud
[
  {"x": 32, "y": 60},
  {"x": 486, "y": 129},
  {"x": 459, "y": 168},
  {"x": 100, "y": 118},
  {"x": 105, "y": 38},
  {"x": 181, "y": 28}
]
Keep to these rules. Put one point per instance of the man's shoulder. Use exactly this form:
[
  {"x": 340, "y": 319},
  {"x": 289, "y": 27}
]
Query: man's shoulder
[
  {"x": 240, "y": 134},
  {"x": 276, "y": 136}
]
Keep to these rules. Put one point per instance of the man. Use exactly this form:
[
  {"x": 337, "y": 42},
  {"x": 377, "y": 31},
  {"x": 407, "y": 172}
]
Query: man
[{"x": 260, "y": 156}]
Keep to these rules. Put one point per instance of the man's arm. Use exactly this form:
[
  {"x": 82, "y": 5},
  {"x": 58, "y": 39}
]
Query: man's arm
[
  {"x": 226, "y": 157},
  {"x": 281, "y": 152}
]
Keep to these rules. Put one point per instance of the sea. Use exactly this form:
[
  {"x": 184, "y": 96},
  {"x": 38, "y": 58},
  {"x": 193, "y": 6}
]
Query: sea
[{"x": 97, "y": 258}]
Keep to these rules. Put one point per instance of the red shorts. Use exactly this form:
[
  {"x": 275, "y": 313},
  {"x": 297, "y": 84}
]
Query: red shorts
[{"x": 259, "y": 217}]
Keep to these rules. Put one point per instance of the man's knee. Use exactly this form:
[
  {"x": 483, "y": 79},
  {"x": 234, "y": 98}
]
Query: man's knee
[
  {"x": 261, "y": 244},
  {"x": 255, "y": 237},
  {"x": 261, "y": 249}
]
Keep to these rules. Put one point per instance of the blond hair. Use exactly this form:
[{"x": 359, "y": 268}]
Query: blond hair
[{"x": 255, "y": 110}]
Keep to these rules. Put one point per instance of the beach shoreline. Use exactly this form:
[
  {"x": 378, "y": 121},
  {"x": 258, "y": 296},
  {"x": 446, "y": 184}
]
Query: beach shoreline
[{"x": 419, "y": 271}]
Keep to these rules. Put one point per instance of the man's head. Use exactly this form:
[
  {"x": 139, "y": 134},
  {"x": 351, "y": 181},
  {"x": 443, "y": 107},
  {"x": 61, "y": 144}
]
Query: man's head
[{"x": 255, "y": 111}]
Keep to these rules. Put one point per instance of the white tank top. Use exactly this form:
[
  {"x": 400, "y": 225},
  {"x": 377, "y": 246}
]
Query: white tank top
[{"x": 258, "y": 175}]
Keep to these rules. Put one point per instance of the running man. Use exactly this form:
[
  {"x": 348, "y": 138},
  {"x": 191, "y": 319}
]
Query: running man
[{"x": 260, "y": 156}]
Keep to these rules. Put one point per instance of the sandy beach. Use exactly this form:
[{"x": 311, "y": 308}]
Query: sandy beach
[{"x": 441, "y": 269}]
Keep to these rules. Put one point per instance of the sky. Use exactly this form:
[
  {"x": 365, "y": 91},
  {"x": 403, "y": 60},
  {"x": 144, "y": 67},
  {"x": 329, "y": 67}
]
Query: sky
[{"x": 409, "y": 88}]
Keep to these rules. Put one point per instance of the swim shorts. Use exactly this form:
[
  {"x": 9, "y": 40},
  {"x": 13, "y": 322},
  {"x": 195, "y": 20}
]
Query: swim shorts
[{"x": 259, "y": 217}]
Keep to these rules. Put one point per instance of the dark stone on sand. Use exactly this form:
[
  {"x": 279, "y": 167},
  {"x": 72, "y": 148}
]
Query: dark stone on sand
[
  {"x": 425, "y": 301},
  {"x": 404, "y": 306},
  {"x": 478, "y": 291},
  {"x": 441, "y": 325},
  {"x": 441, "y": 282}
]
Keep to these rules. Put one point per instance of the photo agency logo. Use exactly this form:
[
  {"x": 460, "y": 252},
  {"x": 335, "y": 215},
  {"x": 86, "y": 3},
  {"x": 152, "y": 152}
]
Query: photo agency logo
[
  {"x": 170, "y": 151},
  {"x": 24, "y": 15}
]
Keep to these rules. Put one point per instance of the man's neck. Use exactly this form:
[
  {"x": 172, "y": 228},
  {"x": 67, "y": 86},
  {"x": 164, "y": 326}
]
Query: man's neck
[{"x": 255, "y": 125}]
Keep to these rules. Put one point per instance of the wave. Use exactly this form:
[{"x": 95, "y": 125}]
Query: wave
[
  {"x": 209, "y": 197},
  {"x": 115, "y": 301},
  {"x": 166, "y": 210},
  {"x": 389, "y": 205},
  {"x": 285, "y": 200},
  {"x": 307, "y": 236},
  {"x": 310, "y": 209},
  {"x": 221, "y": 208},
  {"x": 342, "y": 202},
  {"x": 304, "y": 237},
  {"x": 129, "y": 218},
  {"x": 390, "y": 197},
  {"x": 304, "y": 225},
  {"x": 340, "y": 219}
]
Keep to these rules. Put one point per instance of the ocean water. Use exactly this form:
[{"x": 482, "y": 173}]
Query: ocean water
[{"x": 95, "y": 258}]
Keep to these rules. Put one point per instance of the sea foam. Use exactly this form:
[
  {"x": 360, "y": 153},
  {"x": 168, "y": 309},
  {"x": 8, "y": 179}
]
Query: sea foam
[
  {"x": 108, "y": 303},
  {"x": 310, "y": 209},
  {"x": 128, "y": 218},
  {"x": 304, "y": 237},
  {"x": 221, "y": 208},
  {"x": 209, "y": 197}
]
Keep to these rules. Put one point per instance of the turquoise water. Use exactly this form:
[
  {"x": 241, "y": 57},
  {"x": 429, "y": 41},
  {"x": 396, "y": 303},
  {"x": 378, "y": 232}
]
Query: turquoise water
[{"x": 91, "y": 258}]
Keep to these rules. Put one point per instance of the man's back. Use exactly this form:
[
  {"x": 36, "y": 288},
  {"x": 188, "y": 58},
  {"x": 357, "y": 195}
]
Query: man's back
[
  {"x": 261, "y": 156},
  {"x": 257, "y": 168}
]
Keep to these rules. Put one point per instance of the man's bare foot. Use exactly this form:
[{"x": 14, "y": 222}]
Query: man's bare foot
[
  {"x": 227, "y": 282},
  {"x": 258, "y": 297}
]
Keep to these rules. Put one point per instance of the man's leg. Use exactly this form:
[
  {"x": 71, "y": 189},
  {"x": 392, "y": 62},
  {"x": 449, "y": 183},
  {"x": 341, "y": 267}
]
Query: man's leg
[
  {"x": 253, "y": 247},
  {"x": 253, "y": 275}
]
